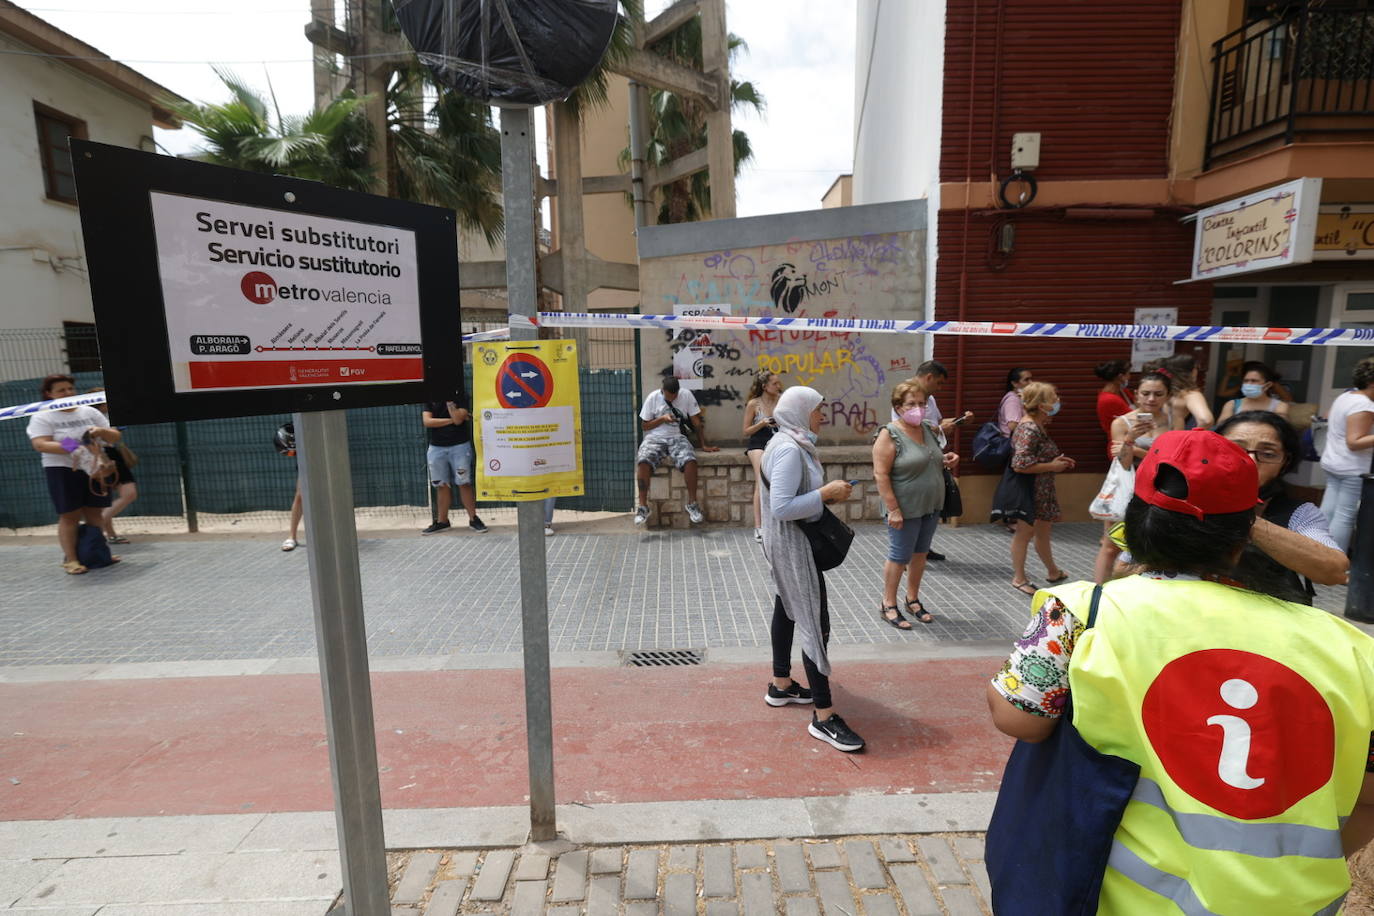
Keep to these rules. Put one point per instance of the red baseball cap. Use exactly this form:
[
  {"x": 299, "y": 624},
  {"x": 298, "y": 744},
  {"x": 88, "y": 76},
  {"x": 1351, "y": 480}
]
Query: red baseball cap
[{"x": 1221, "y": 476}]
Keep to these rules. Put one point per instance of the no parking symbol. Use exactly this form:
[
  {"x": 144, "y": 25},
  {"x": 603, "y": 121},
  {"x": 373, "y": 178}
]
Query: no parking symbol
[{"x": 523, "y": 381}]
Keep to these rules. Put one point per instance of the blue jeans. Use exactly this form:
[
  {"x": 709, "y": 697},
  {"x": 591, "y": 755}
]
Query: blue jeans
[
  {"x": 1339, "y": 504},
  {"x": 912, "y": 538}
]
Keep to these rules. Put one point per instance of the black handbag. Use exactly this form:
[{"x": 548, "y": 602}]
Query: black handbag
[
  {"x": 1057, "y": 812},
  {"x": 830, "y": 537},
  {"x": 954, "y": 500}
]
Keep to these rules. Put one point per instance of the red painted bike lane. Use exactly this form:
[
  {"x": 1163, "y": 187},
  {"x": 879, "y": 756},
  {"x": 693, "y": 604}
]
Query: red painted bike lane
[{"x": 228, "y": 745}]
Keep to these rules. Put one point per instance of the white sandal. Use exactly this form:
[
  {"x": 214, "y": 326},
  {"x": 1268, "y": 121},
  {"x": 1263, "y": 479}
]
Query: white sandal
[{"x": 288, "y": 544}]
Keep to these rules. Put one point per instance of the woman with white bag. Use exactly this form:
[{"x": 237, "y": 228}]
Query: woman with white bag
[{"x": 1132, "y": 434}]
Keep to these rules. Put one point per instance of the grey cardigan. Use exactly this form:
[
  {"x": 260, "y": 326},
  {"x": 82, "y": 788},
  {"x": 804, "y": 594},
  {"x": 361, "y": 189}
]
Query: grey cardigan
[{"x": 792, "y": 494}]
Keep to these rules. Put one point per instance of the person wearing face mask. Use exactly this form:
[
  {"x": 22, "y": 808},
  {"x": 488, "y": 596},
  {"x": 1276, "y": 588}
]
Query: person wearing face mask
[
  {"x": 1350, "y": 434},
  {"x": 794, "y": 490},
  {"x": 1290, "y": 546},
  {"x": 1256, "y": 393},
  {"x": 1034, "y": 455},
  {"x": 907, "y": 464}
]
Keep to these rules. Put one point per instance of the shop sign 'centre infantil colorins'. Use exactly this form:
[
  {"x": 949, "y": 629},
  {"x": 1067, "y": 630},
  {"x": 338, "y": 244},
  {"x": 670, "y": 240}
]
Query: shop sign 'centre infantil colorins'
[
  {"x": 1270, "y": 228},
  {"x": 263, "y": 298}
]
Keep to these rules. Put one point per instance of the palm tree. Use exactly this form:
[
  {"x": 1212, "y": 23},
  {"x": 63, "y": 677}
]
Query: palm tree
[
  {"x": 677, "y": 125},
  {"x": 328, "y": 146},
  {"x": 443, "y": 148}
]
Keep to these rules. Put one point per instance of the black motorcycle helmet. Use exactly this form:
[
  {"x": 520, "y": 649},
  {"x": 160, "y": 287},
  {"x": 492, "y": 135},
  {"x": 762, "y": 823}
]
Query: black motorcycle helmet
[{"x": 285, "y": 440}]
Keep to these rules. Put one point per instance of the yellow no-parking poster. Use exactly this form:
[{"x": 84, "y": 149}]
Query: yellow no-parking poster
[{"x": 529, "y": 419}]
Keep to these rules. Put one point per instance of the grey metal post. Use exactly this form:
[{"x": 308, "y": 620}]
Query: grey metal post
[
  {"x": 336, "y": 586},
  {"x": 522, "y": 298},
  {"x": 637, "y": 149}
]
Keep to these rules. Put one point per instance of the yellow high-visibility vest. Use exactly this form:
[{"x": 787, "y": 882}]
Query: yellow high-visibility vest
[{"x": 1250, "y": 718}]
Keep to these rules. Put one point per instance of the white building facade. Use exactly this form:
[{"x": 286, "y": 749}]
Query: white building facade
[{"x": 44, "y": 99}]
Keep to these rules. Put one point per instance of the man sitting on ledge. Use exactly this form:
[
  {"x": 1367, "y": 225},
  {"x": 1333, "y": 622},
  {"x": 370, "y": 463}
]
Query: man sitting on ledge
[{"x": 668, "y": 416}]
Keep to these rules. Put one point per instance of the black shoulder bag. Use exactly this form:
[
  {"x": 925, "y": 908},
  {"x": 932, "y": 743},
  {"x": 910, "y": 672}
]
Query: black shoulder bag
[
  {"x": 830, "y": 538},
  {"x": 684, "y": 425},
  {"x": 1055, "y": 820}
]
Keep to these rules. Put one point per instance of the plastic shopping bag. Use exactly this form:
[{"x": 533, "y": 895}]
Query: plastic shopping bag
[{"x": 1115, "y": 495}]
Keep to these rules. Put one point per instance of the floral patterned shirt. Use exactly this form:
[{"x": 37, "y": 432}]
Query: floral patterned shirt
[{"x": 1035, "y": 679}]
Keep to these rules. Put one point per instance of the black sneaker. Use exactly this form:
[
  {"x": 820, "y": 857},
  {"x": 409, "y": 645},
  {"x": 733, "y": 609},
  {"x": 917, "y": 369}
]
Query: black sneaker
[
  {"x": 934, "y": 555},
  {"x": 432, "y": 529},
  {"x": 476, "y": 524},
  {"x": 794, "y": 694},
  {"x": 834, "y": 732}
]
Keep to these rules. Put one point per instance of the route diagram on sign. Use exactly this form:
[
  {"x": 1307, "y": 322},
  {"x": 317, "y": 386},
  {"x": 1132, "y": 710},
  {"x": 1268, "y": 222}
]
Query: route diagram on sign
[{"x": 523, "y": 381}]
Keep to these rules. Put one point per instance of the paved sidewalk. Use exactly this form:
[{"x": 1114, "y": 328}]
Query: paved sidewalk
[
  {"x": 457, "y": 595},
  {"x": 928, "y": 875}
]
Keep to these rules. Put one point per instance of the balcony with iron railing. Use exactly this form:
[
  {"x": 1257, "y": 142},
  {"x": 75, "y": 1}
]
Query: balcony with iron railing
[{"x": 1303, "y": 75}]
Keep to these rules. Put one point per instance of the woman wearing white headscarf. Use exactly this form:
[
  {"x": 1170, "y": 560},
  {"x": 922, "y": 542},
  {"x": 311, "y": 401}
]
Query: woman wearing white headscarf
[{"x": 793, "y": 491}]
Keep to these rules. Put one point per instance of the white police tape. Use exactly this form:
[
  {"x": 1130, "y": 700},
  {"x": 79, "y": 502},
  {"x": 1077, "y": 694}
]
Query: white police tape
[
  {"x": 1336, "y": 337},
  {"x": 495, "y": 334},
  {"x": 28, "y": 410}
]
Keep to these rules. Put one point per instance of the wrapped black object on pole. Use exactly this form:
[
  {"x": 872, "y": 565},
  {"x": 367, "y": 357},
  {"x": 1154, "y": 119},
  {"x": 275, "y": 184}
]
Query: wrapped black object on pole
[
  {"x": 1359, "y": 597},
  {"x": 512, "y": 53}
]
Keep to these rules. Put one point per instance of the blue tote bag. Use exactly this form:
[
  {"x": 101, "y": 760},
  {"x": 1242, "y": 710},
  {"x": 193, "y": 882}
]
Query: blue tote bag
[{"x": 1057, "y": 811}]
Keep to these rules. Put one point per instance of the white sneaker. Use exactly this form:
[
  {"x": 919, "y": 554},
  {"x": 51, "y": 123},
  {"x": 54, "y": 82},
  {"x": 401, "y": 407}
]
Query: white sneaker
[
  {"x": 641, "y": 515},
  {"x": 758, "y": 535},
  {"x": 548, "y": 531},
  {"x": 694, "y": 513}
]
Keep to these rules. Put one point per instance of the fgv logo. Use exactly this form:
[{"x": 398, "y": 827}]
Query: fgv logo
[
  {"x": 258, "y": 287},
  {"x": 1240, "y": 732}
]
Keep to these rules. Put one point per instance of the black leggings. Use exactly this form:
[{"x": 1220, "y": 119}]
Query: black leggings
[{"x": 781, "y": 631}]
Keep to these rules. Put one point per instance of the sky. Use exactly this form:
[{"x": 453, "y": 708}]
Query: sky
[{"x": 800, "y": 56}]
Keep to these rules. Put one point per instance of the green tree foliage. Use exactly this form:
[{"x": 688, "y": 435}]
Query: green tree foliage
[
  {"x": 677, "y": 126},
  {"x": 443, "y": 149}
]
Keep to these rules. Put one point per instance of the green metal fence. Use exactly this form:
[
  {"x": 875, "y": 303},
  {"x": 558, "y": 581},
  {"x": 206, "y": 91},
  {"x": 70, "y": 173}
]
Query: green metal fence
[{"x": 229, "y": 467}]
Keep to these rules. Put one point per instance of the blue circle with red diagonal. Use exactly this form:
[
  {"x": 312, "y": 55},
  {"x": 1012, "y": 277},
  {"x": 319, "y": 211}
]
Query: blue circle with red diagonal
[{"x": 523, "y": 381}]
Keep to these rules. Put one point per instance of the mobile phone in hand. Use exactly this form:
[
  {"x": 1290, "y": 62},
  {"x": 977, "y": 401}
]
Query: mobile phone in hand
[
  {"x": 961, "y": 420},
  {"x": 852, "y": 483}
]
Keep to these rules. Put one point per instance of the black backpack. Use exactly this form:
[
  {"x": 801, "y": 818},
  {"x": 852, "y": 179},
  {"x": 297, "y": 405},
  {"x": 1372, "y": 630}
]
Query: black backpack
[{"x": 92, "y": 551}]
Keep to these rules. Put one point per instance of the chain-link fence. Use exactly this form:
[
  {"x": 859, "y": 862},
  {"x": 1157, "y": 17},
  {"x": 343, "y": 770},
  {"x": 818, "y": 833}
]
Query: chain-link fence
[{"x": 226, "y": 472}]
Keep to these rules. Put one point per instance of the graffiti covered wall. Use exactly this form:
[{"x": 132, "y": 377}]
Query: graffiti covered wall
[{"x": 847, "y": 262}]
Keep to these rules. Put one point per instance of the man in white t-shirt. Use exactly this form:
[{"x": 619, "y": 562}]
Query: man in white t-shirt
[
  {"x": 57, "y": 436},
  {"x": 662, "y": 417}
]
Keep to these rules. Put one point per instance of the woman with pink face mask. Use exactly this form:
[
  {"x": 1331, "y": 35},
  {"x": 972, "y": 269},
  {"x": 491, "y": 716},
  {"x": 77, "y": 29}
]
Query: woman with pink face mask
[{"x": 907, "y": 464}]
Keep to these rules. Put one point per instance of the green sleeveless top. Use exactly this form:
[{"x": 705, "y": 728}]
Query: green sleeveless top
[{"x": 917, "y": 480}]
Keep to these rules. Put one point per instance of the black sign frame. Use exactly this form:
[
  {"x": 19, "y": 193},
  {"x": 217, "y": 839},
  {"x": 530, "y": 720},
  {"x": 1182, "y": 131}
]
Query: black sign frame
[{"x": 114, "y": 185}]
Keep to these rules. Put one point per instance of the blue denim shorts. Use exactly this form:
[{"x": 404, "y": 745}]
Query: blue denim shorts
[
  {"x": 450, "y": 464},
  {"x": 912, "y": 538}
]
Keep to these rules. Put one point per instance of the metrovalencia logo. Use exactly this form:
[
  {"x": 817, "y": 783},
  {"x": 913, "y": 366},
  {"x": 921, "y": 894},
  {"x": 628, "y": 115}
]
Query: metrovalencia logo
[{"x": 260, "y": 289}]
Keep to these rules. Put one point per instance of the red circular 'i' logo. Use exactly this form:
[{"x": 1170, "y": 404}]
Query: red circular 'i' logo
[
  {"x": 258, "y": 287},
  {"x": 1240, "y": 732}
]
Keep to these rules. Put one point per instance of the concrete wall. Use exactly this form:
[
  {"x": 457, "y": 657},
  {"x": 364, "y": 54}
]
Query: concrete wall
[
  {"x": 725, "y": 488},
  {"x": 897, "y": 99},
  {"x": 42, "y": 276},
  {"x": 845, "y": 262},
  {"x": 898, "y": 102}
]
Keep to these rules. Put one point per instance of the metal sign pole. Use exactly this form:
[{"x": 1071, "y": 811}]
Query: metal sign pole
[
  {"x": 522, "y": 298},
  {"x": 336, "y": 587}
]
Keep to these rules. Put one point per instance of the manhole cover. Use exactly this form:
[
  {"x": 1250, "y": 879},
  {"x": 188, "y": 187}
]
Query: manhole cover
[{"x": 662, "y": 658}]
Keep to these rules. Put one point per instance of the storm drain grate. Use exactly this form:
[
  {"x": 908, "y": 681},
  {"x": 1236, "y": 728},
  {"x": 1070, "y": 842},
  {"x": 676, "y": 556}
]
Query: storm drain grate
[{"x": 663, "y": 658}]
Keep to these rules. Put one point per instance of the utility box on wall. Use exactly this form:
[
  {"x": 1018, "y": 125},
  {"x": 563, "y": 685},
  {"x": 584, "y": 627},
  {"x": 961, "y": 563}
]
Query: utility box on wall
[
  {"x": 1025, "y": 151},
  {"x": 844, "y": 262}
]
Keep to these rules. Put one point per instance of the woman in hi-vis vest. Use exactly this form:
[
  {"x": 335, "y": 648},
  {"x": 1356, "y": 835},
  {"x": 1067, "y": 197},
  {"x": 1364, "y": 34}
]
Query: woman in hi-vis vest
[{"x": 1249, "y": 718}]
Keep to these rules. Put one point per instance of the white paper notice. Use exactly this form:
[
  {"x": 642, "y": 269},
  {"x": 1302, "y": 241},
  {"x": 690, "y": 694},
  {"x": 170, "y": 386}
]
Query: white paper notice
[
  {"x": 1142, "y": 351},
  {"x": 263, "y": 298},
  {"x": 528, "y": 440}
]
